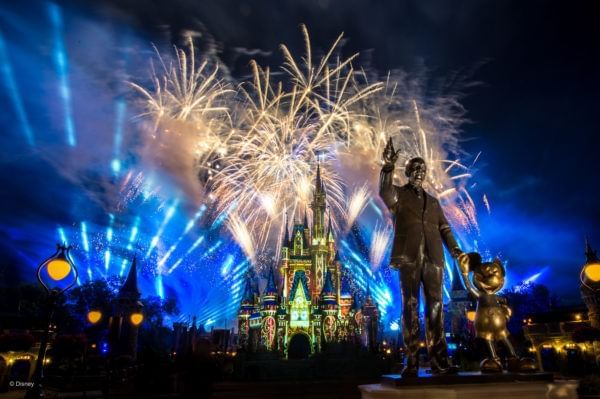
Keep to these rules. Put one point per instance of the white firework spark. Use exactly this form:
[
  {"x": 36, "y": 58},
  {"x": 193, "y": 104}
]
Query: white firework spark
[{"x": 379, "y": 245}]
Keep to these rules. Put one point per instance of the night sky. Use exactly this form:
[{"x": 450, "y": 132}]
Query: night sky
[{"x": 533, "y": 105}]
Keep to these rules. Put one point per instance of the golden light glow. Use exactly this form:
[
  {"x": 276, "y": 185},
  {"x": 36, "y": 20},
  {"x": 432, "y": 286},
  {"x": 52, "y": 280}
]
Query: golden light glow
[
  {"x": 578, "y": 317},
  {"x": 58, "y": 269},
  {"x": 592, "y": 272},
  {"x": 94, "y": 316},
  {"x": 471, "y": 315},
  {"x": 136, "y": 318}
]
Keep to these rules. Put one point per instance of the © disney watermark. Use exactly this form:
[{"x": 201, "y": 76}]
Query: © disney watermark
[{"x": 20, "y": 384}]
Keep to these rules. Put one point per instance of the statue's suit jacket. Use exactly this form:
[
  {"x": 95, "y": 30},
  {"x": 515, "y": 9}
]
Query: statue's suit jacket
[{"x": 414, "y": 223}]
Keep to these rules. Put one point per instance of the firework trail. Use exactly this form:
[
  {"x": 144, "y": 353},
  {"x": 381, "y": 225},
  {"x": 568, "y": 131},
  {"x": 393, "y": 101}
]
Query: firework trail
[
  {"x": 380, "y": 241},
  {"x": 356, "y": 204}
]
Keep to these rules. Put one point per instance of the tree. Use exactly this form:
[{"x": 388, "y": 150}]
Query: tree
[
  {"x": 154, "y": 336},
  {"x": 526, "y": 300}
]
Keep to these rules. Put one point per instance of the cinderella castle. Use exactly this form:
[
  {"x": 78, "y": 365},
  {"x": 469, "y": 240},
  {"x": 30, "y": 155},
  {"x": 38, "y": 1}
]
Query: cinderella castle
[{"x": 303, "y": 308}]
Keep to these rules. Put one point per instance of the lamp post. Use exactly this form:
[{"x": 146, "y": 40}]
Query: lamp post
[
  {"x": 56, "y": 274},
  {"x": 590, "y": 285}
]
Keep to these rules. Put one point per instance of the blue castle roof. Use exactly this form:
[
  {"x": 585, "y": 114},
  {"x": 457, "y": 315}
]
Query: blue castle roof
[
  {"x": 328, "y": 285},
  {"x": 248, "y": 295},
  {"x": 271, "y": 288},
  {"x": 299, "y": 278},
  {"x": 328, "y": 292}
]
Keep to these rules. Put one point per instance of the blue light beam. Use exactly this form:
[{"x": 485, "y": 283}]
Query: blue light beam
[{"x": 61, "y": 64}]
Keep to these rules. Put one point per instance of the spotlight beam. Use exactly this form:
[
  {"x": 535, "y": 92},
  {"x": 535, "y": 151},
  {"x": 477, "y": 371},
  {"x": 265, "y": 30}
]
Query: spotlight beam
[
  {"x": 168, "y": 215},
  {"x": 14, "y": 93},
  {"x": 61, "y": 64}
]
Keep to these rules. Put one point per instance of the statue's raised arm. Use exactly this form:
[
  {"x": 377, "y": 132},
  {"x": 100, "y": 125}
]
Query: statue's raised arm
[{"x": 387, "y": 191}]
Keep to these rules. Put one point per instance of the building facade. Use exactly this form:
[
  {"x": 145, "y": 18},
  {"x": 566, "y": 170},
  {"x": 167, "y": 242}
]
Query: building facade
[{"x": 302, "y": 308}]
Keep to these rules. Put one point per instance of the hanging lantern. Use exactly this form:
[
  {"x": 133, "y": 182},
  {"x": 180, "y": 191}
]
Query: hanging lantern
[{"x": 57, "y": 273}]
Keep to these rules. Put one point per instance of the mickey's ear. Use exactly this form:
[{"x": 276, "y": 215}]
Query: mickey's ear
[{"x": 498, "y": 262}]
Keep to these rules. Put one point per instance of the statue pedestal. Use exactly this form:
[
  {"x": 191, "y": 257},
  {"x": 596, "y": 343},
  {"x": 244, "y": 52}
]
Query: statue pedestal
[{"x": 472, "y": 385}]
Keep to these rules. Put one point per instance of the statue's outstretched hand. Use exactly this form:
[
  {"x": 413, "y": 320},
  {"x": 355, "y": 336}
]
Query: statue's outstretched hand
[
  {"x": 463, "y": 263},
  {"x": 390, "y": 155}
]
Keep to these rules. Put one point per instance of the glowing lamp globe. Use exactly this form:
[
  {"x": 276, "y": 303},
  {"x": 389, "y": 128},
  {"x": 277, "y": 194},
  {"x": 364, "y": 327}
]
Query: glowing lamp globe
[
  {"x": 136, "y": 318},
  {"x": 592, "y": 272},
  {"x": 471, "y": 315},
  {"x": 57, "y": 273},
  {"x": 58, "y": 269},
  {"x": 94, "y": 316}
]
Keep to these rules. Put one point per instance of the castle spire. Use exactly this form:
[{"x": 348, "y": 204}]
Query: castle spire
[
  {"x": 330, "y": 229},
  {"x": 328, "y": 293},
  {"x": 318, "y": 181},
  {"x": 590, "y": 254},
  {"x": 271, "y": 288},
  {"x": 286, "y": 237},
  {"x": 130, "y": 287},
  {"x": 305, "y": 218}
]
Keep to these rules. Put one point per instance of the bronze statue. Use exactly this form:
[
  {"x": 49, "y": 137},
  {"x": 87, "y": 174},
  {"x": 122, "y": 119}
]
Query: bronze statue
[
  {"x": 420, "y": 229},
  {"x": 492, "y": 311}
]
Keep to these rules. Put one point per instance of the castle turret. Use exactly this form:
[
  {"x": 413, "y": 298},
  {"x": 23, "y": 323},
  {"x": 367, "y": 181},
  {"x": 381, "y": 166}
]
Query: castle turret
[
  {"x": 247, "y": 308},
  {"x": 268, "y": 312},
  {"x": 124, "y": 323},
  {"x": 329, "y": 307}
]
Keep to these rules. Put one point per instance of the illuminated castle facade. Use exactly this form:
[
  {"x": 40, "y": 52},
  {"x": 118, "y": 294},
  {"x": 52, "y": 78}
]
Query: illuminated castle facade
[{"x": 307, "y": 310}]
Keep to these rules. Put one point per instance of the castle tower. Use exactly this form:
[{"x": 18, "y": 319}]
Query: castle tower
[
  {"x": 319, "y": 248},
  {"x": 247, "y": 308},
  {"x": 329, "y": 307},
  {"x": 268, "y": 310},
  {"x": 286, "y": 244},
  {"x": 123, "y": 332}
]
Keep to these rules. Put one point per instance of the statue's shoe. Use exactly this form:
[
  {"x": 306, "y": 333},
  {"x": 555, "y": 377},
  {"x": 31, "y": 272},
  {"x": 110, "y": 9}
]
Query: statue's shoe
[
  {"x": 527, "y": 365},
  {"x": 411, "y": 368},
  {"x": 490, "y": 365},
  {"x": 442, "y": 366},
  {"x": 410, "y": 371},
  {"x": 444, "y": 370}
]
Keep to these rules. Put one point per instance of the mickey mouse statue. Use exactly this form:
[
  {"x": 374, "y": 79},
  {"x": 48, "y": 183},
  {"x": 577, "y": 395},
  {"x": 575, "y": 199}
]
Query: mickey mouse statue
[{"x": 492, "y": 311}]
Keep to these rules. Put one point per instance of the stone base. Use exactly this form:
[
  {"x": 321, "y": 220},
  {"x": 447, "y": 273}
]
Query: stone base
[
  {"x": 473, "y": 377},
  {"x": 467, "y": 386}
]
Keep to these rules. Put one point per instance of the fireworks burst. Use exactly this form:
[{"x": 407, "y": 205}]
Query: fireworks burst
[{"x": 259, "y": 147}]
